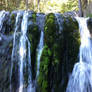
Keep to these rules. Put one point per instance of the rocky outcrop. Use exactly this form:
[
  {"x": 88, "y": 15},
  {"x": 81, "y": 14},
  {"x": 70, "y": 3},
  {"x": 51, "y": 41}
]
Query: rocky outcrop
[{"x": 59, "y": 54}]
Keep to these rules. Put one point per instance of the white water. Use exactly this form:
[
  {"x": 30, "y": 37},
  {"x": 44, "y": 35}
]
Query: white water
[
  {"x": 2, "y": 15},
  {"x": 40, "y": 48},
  {"x": 22, "y": 49},
  {"x": 81, "y": 78},
  {"x": 59, "y": 21},
  {"x": 14, "y": 36},
  {"x": 24, "y": 53},
  {"x": 14, "y": 48},
  {"x": 40, "y": 21},
  {"x": 31, "y": 86}
]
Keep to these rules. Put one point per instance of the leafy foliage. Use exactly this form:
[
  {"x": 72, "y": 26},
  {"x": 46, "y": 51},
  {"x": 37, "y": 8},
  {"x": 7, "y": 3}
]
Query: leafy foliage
[
  {"x": 44, "y": 5},
  {"x": 71, "y": 5}
]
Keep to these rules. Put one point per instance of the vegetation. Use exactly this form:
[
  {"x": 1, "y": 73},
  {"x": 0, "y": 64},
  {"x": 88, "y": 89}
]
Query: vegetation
[
  {"x": 59, "y": 56},
  {"x": 40, "y": 5},
  {"x": 34, "y": 36},
  {"x": 60, "y": 51}
]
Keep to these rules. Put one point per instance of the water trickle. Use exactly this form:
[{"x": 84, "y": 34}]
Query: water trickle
[
  {"x": 40, "y": 21},
  {"x": 15, "y": 33},
  {"x": 14, "y": 47},
  {"x": 2, "y": 15},
  {"x": 22, "y": 49},
  {"x": 59, "y": 21},
  {"x": 81, "y": 78}
]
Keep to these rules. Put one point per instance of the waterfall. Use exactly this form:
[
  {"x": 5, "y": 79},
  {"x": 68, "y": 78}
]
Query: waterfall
[
  {"x": 81, "y": 78},
  {"x": 40, "y": 21},
  {"x": 2, "y": 15},
  {"x": 15, "y": 34},
  {"x": 14, "y": 47},
  {"x": 59, "y": 21},
  {"x": 31, "y": 87},
  {"x": 22, "y": 49}
]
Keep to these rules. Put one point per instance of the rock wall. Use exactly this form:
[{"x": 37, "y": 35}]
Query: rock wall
[
  {"x": 59, "y": 54},
  {"x": 58, "y": 57}
]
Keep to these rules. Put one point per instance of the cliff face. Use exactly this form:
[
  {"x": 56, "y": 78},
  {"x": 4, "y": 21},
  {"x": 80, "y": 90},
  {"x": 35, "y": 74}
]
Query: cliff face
[{"x": 60, "y": 52}]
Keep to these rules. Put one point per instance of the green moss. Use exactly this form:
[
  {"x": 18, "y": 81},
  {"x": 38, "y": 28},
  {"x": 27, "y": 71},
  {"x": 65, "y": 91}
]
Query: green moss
[
  {"x": 45, "y": 62},
  {"x": 34, "y": 17},
  {"x": 34, "y": 36},
  {"x": 89, "y": 25},
  {"x": 71, "y": 36},
  {"x": 89, "y": 15},
  {"x": 13, "y": 19},
  {"x": 59, "y": 54},
  {"x": 50, "y": 29},
  {"x": 71, "y": 43}
]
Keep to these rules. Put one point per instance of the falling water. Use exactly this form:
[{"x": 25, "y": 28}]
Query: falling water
[
  {"x": 14, "y": 48},
  {"x": 22, "y": 49},
  {"x": 2, "y": 15},
  {"x": 81, "y": 78},
  {"x": 59, "y": 21},
  {"x": 14, "y": 36},
  {"x": 40, "y": 21},
  {"x": 31, "y": 87}
]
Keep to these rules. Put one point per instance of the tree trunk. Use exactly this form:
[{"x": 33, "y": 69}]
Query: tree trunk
[
  {"x": 6, "y": 4},
  {"x": 34, "y": 3},
  {"x": 26, "y": 4},
  {"x": 38, "y": 5},
  {"x": 80, "y": 8}
]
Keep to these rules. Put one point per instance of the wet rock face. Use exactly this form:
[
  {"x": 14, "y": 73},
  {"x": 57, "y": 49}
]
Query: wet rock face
[
  {"x": 89, "y": 24},
  {"x": 5, "y": 23},
  {"x": 6, "y": 46},
  {"x": 59, "y": 54},
  {"x": 58, "y": 57},
  {"x": 5, "y": 62},
  {"x": 5, "y": 53}
]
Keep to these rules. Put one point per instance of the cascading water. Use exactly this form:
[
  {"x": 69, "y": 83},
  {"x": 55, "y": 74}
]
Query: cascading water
[
  {"x": 16, "y": 28},
  {"x": 21, "y": 76},
  {"x": 30, "y": 88},
  {"x": 14, "y": 46},
  {"x": 81, "y": 78},
  {"x": 22, "y": 49},
  {"x": 2, "y": 15},
  {"x": 40, "y": 21},
  {"x": 59, "y": 21}
]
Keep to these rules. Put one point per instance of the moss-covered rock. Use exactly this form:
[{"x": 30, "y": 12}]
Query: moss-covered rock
[
  {"x": 69, "y": 52},
  {"x": 47, "y": 60},
  {"x": 5, "y": 63},
  {"x": 89, "y": 24},
  {"x": 43, "y": 81},
  {"x": 59, "y": 54},
  {"x": 34, "y": 36},
  {"x": 50, "y": 30},
  {"x": 12, "y": 22}
]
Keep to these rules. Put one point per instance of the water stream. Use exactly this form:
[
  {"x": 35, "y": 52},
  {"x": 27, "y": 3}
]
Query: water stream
[
  {"x": 59, "y": 21},
  {"x": 81, "y": 78},
  {"x": 2, "y": 16},
  {"x": 40, "y": 21}
]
